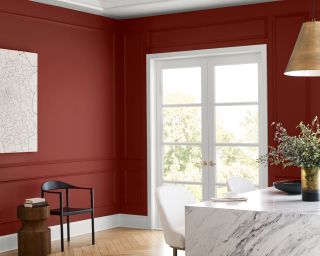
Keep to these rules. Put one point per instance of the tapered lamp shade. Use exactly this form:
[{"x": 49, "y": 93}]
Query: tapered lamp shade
[{"x": 305, "y": 58}]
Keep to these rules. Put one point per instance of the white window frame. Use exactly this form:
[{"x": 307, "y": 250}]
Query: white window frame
[{"x": 153, "y": 118}]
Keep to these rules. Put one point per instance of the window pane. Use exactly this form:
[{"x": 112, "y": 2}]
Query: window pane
[
  {"x": 182, "y": 163},
  {"x": 220, "y": 190},
  {"x": 237, "y": 161},
  {"x": 237, "y": 124},
  {"x": 196, "y": 190},
  {"x": 181, "y": 85},
  {"x": 236, "y": 83},
  {"x": 182, "y": 124}
]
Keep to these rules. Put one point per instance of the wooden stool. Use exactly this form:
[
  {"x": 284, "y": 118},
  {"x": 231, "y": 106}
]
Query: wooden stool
[{"x": 34, "y": 238}]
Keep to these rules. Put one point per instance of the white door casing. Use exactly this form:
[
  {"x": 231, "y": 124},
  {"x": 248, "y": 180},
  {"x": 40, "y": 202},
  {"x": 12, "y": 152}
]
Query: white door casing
[{"x": 207, "y": 60}]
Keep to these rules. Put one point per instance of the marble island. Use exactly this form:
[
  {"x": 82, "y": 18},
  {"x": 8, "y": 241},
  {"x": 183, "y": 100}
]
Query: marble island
[{"x": 270, "y": 223}]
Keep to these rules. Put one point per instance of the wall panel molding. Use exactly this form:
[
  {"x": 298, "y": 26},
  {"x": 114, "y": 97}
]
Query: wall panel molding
[
  {"x": 47, "y": 162},
  {"x": 55, "y": 169}
]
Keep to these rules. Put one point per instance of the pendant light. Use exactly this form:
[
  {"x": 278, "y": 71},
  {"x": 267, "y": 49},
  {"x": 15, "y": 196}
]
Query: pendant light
[{"x": 305, "y": 58}]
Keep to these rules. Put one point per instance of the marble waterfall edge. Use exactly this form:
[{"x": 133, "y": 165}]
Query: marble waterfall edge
[{"x": 232, "y": 232}]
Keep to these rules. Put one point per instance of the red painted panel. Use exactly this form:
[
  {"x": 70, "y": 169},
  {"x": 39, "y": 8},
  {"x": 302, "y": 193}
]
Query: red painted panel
[
  {"x": 135, "y": 114},
  {"x": 291, "y": 95},
  {"x": 231, "y": 31},
  {"x": 135, "y": 197},
  {"x": 289, "y": 90}
]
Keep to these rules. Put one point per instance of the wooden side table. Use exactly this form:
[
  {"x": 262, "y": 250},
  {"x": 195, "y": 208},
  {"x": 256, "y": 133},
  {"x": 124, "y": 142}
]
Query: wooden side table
[{"x": 34, "y": 237}]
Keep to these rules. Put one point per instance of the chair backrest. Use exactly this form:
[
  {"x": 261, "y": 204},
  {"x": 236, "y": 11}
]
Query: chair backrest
[
  {"x": 54, "y": 184},
  {"x": 239, "y": 185},
  {"x": 171, "y": 202}
]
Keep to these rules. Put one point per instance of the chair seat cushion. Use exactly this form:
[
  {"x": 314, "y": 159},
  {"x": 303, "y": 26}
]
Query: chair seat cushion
[
  {"x": 67, "y": 211},
  {"x": 176, "y": 237}
]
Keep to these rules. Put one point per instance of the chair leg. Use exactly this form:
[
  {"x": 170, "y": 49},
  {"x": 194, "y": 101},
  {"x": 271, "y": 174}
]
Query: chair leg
[
  {"x": 68, "y": 228},
  {"x": 175, "y": 252},
  {"x": 92, "y": 226},
  {"x": 61, "y": 233}
]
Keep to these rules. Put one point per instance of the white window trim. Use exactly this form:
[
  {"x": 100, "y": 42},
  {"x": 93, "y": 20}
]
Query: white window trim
[{"x": 152, "y": 121}]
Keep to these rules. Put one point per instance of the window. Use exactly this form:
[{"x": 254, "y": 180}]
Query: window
[{"x": 207, "y": 119}]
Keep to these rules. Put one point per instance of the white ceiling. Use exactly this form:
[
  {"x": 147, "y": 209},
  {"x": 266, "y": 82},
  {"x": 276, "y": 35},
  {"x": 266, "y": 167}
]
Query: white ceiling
[{"x": 122, "y": 9}]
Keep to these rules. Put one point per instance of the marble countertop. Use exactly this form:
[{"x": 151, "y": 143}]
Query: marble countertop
[{"x": 267, "y": 200}]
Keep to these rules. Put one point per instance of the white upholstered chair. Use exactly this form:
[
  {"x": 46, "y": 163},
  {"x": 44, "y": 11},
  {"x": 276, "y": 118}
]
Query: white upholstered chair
[
  {"x": 239, "y": 185},
  {"x": 171, "y": 202}
]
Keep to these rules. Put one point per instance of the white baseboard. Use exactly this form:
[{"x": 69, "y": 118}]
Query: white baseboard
[
  {"x": 10, "y": 242},
  {"x": 133, "y": 221}
]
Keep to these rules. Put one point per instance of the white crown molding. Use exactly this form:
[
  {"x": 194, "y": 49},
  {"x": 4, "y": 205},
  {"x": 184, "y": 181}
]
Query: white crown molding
[
  {"x": 124, "y": 9},
  {"x": 10, "y": 242}
]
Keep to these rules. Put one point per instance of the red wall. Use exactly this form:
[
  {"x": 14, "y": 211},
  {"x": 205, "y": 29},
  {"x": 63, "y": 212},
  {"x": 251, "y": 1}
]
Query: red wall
[
  {"x": 277, "y": 24},
  {"x": 92, "y": 92},
  {"x": 77, "y": 106}
]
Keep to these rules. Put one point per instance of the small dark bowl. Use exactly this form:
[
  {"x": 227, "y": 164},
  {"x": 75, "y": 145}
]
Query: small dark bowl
[{"x": 292, "y": 187}]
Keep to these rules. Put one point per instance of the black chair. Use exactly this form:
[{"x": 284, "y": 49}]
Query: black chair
[{"x": 67, "y": 211}]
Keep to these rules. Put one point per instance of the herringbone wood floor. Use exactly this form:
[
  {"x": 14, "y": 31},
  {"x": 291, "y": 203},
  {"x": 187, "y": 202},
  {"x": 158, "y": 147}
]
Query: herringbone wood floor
[{"x": 119, "y": 241}]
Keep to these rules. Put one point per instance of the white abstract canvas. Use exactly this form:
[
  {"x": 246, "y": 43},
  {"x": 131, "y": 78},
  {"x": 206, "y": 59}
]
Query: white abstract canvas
[{"x": 18, "y": 101}]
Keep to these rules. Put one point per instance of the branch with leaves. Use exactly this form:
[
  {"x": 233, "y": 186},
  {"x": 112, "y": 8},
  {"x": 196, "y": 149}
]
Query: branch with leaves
[{"x": 302, "y": 150}]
